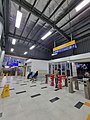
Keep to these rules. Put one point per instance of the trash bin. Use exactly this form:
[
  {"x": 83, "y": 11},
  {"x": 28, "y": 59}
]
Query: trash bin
[
  {"x": 87, "y": 88},
  {"x": 70, "y": 84}
]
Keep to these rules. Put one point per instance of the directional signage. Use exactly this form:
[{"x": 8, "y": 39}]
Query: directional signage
[{"x": 65, "y": 47}]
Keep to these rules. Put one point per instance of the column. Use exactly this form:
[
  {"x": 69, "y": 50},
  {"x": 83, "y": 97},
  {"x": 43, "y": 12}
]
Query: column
[
  {"x": 74, "y": 69},
  {"x": 1, "y": 31}
]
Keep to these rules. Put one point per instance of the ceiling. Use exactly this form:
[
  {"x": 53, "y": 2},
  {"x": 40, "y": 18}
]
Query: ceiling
[{"x": 39, "y": 17}]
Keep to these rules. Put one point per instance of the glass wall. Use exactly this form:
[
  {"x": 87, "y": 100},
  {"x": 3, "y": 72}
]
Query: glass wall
[{"x": 63, "y": 68}]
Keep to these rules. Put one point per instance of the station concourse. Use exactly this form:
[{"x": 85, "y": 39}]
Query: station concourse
[{"x": 45, "y": 59}]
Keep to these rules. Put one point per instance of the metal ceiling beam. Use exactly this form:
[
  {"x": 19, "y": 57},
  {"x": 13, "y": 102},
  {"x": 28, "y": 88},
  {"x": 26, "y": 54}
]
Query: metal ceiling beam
[
  {"x": 80, "y": 39},
  {"x": 23, "y": 38},
  {"x": 38, "y": 18},
  {"x": 61, "y": 3},
  {"x": 2, "y": 41},
  {"x": 70, "y": 19},
  {"x": 27, "y": 19},
  {"x": 76, "y": 38},
  {"x": 57, "y": 8},
  {"x": 79, "y": 13},
  {"x": 86, "y": 30},
  {"x": 6, "y": 18},
  {"x": 72, "y": 5},
  {"x": 80, "y": 21},
  {"x": 38, "y": 31},
  {"x": 49, "y": 1},
  {"x": 82, "y": 32},
  {"x": 37, "y": 13},
  {"x": 31, "y": 30}
]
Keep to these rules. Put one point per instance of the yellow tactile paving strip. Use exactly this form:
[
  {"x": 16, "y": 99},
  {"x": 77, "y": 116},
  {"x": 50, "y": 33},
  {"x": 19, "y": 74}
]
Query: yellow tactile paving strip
[
  {"x": 87, "y": 104},
  {"x": 88, "y": 118}
]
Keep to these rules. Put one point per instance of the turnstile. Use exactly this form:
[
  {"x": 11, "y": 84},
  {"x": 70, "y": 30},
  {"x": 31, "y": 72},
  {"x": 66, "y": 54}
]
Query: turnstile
[
  {"x": 70, "y": 84},
  {"x": 87, "y": 87},
  {"x": 76, "y": 83}
]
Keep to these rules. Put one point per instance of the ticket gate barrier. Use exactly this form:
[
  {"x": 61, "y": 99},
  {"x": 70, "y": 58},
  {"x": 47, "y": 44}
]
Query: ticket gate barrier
[
  {"x": 65, "y": 78},
  {"x": 52, "y": 80},
  {"x": 76, "y": 83},
  {"x": 46, "y": 78},
  {"x": 60, "y": 78},
  {"x": 59, "y": 82},
  {"x": 70, "y": 84},
  {"x": 46, "y": 81},
  {"x": 87, "y": 88}
]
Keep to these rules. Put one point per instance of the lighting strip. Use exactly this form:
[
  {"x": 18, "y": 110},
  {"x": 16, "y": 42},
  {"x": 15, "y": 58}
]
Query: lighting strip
[
  {"x": 32, "y": 47},
  {"x": 46, "y": 35},
  {"x": 25, "y": 53},
  {"x": 82, "y": 4},
  {"x": 14, "y": 41},
  {"x": 18, "y": 19}
]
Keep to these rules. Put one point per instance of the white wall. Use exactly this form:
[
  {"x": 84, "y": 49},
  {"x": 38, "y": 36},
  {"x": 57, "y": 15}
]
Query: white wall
[
  {"x": 38, "y": 65},
  {"x": 75, "y": 58}
]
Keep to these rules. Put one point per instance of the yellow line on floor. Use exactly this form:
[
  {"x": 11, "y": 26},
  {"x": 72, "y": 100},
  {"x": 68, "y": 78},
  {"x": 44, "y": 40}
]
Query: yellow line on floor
[
  {"x": 88, "y": 118},
  {"x": 87, "y": 104}
]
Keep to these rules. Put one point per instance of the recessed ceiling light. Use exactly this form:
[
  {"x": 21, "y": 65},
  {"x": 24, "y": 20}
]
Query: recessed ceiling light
[
  {"x": 46, "y": 35},
  {"x": 25, "y": 53},
  {"x": 32, "y": 47},
  {"x": 18, "y": 19},
  {"x": 12, "y": 49},
  {"x": 82, "y": 4},
  {"x": 14, "y": 41}
]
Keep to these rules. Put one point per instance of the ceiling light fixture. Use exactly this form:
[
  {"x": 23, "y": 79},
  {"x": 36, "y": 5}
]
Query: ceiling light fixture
[
  {"x": 46, "y": 35},
  {"x": 54, "y": 54},
  {"x": 25, "y": 53},
  {"x": 82, "y": 4},
  {"x": 18, "y": 19},
  {"x": 14, "y": 41},
  {"x": 12, "y": 49},
  {"x": 32, "y": 47}
]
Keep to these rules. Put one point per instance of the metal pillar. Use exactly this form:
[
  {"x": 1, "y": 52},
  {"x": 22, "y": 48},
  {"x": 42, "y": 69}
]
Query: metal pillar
[
  {"x": 1, "y": 31},
  {"x": 70, "y": 84},
  {"x": 87, "y": 88},
  {"x": 76, "y": 85}
]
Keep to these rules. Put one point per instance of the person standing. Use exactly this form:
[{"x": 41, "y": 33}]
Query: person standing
[{"x": 56, "y": 78}]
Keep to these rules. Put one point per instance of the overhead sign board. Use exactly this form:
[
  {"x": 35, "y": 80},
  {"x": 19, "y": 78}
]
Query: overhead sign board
[{"x": 65, "y": 47}]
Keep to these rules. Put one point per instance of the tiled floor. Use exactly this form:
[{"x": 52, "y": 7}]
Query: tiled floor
[{"x": 24, "y": 107}]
